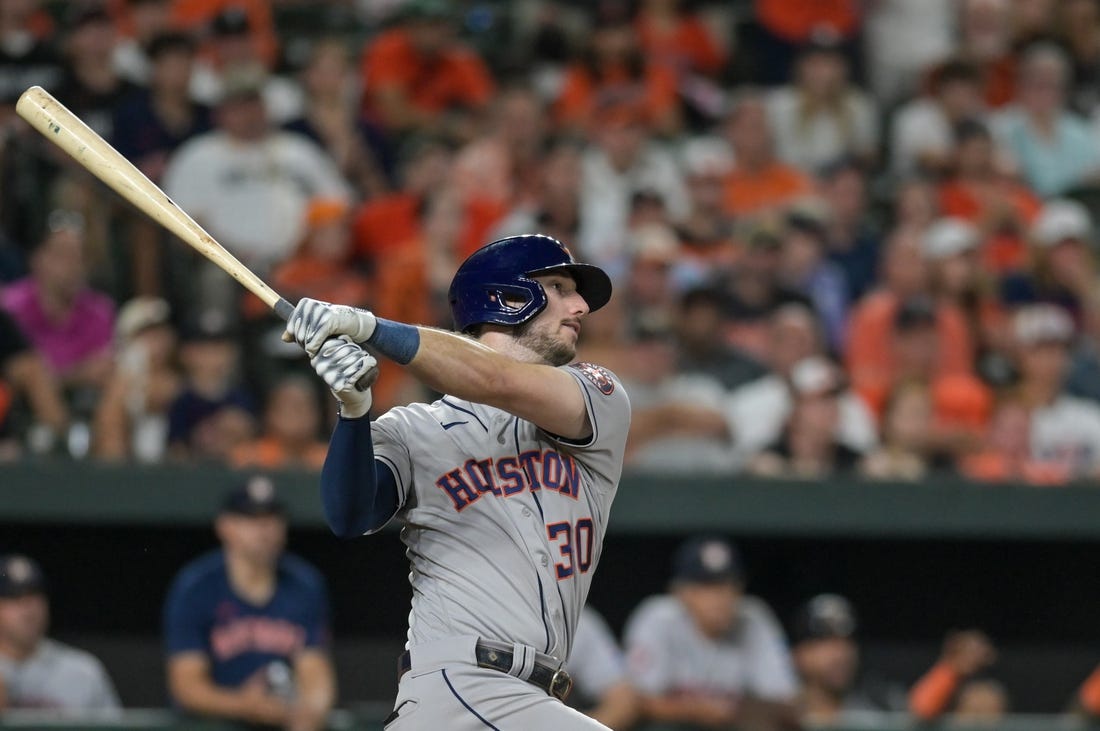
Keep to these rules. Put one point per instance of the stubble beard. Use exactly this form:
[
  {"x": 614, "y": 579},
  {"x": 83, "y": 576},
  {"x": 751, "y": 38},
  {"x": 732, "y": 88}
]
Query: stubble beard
[{"x": 552, "y": 350}]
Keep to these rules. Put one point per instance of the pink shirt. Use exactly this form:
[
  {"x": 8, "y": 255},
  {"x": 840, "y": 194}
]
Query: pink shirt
[{"x": 86, "y": 330}]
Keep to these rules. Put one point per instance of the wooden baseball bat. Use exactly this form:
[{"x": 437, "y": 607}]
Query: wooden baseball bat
[{"x": 63, "y": 128}]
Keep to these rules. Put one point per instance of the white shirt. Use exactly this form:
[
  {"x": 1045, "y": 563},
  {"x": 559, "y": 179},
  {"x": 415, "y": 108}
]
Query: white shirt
[
  {"x": 903, "y": 38},
  {"x": 58, "y": 677},
  {"x": 596, "y": 662},
  {"x": 822, "y": 137},
  {"x": 920, "y": 127},
  {"x": 252, "y": 197},
  {"x": 1067, "y": 432},
  {"x": 666, "y": 653}
]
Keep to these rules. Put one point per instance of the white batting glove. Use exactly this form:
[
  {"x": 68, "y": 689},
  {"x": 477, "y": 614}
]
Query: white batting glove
[
  {"x": 313, "y": 322},
  {"x": 344, "y": 367}
]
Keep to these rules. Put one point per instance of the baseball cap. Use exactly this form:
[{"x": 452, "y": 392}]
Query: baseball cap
[
  {"x": 948, "y": 237},
  {"x": 255, "y": 496},
  {"x": 207, "y": 325},
  {"x": 706, "y": 156},
  {"x": 1061, "y": 220},
  {"x": 139, "y": 314},
  {"x": 242, "y": 82},
  {"x": 20, "y": 576},
  {"x": 1042, "y": 323},
  {"x": 233, "y": 21},
  {"x": 915, "y": 312},
  {"x": 825, "y": 616},
  {"x": 707, "y": 560},
  {"x": 816, "y": 375}
]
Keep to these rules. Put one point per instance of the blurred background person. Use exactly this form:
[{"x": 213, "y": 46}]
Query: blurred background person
[
  {"x": 26, "y": 380},
  {"x": 706, "y": 654},
  {"x": 246, "y": 627},
  {"x": 37, "y": 672},
  {"x": 965, "y": 653},
  {"x": 596, "y": 664},
  {"x": 289, "y": 436},
  {"x": 907, "y": 439}
]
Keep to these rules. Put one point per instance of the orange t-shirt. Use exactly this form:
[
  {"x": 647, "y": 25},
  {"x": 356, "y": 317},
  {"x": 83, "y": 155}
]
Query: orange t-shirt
[
  {"x": 869, "y": 358},
  {"x": 688, "y": 45},
  {"x": 755, "y": 191},
  {"x": 304, "y": 276},
  {"x": 457, "y": 77},
  {"x": 194, "y": 14},
  {"x": 652, "y": 97},
  {"x": 386, "y": 223},
  {"x": 797, "y": 20},
  {"x": 996, "y": 467},
  {"x": 1001, "y": 252},
  {"x": 268, "y": 454}
]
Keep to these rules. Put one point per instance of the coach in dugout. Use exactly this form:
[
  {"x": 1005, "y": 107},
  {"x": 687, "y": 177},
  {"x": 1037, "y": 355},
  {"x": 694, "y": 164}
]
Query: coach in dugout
[{"x": 246, "y": 627}]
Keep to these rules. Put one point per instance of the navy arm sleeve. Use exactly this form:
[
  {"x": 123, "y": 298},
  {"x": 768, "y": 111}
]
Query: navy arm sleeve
[{"x": 358, "y": 493}]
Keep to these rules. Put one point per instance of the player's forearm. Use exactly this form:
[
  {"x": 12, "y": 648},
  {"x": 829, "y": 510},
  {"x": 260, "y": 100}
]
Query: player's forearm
[
  {"x": 358, "y": 494},
  {"x": 618, "y": 707},
  {"x": 207, "y": 699},
  {"x": 316, "y": 687},
  {"x": 462, "y": 367},
  {"x": 29, "y": 373}
]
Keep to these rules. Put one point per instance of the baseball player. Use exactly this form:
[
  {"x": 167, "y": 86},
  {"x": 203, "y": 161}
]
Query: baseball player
[{"x": 504, "y": 484}]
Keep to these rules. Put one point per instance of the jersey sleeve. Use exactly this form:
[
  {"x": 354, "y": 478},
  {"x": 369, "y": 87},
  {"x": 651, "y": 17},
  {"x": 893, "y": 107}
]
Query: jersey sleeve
[
  {"x": 391, "y": 435},
  {"x": 596, "y": 663},
  {"x": 184, "y": 619},
  {"x": 102, "y": 695},
  {"x": 608, "y": 409},
  {"x": 771, "y": 675}
]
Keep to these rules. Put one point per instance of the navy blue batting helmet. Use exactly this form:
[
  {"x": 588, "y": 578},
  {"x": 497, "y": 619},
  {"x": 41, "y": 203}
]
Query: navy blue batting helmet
[{"x": 495, "y": 285}]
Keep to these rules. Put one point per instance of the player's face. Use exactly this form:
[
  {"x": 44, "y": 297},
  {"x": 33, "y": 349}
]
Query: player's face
[
  {"x": 258, "y": 538},
  {"x": 553, "y": 334},
  {"x": 830, "y": 662},
  {"x": 23, "y": 620},
  {"x": 712, "y": 606}
]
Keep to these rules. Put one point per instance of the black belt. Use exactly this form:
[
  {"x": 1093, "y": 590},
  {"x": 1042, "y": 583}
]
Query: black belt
[{"x": 553, "y": 681}]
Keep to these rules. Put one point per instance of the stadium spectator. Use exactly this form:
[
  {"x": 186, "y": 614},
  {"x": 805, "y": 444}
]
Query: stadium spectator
[
  {"x": 37, "y": 672},
  {"x": 821, "y": 116},
  {"x": 985, "y": 40},
  {"x": 982, "y": 702},
  {"x": 759, "y": 182},
  {"x": 131, "y": 419},
  {"x": 27, "y": 57},
  {"x": 671, "y": 33},
  {"x": 965, "y": 653},
  {"x": 826, "y": 656},
  {"x": 851, "y": 237},
  {"x": 1054, "y": 148},
  {"x": 1060, "y": 267},
  {"x": 24, "y": 376},
  {"x": 805, "y": 269},
  {"x": 91, "y": 87},
  {"x": 786, "y": 26},
  {"x": 902, "y": 39},
  {"x": 623, "y": 162},
  {"x": 906, "y": 435},
  {"x": 138, "y": 23},
  {"x": 924, "y": 131},
  {"x": 291, "y": 422},
  {"x": 68, "y": 322},
  {"x": 249, "y": 186},
  {"x": 1078, "y": 27},
  {"x": 196, "y": 16},
  {"x": 1005, "y": 454},
  {"x": 330, "y": 118},
  {"x": 213, "y": 413},
  {"x": 246, "y": 627},
  {"x": 706, "y": 232},
  {"x": 1065, "y": 430},
  {"x": 234, "y": 48},
  {"x": 811, "y": 444},
  {"x": 555, "y": 206},
  {"x": 707, "y": 654},
  {"x": 759, "y": 409},
  {"x": 601, "y": 688},
  {"x": 614, "y": 76},
  {"x": 417, "y": 77}
]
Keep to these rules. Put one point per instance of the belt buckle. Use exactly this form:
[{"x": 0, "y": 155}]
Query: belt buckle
[{"x": 561, "y": 684}]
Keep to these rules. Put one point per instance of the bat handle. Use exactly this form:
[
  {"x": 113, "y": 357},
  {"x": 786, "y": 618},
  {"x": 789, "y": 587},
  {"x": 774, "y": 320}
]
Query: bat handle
[{"x": 284, "y": 310}]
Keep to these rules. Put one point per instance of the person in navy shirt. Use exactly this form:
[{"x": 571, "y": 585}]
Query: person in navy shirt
[{"x": 246, "y": 627}]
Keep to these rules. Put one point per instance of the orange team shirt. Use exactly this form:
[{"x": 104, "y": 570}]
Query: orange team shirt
[
  {"x": 457, "y": 78},
  {"x": 869, "y": 360},
  {"x": 267, "y": 453},
  {"x": 689, "y": 40},
  {"x": 385, "y": 224},
  {"x": 194, "y": 14},
  {"x": 305, "y": 276},
  {"x": 797, "y": 20},
  {"x": 758, "y": 190},
  {"x": 996, "y": 467},
  {"x": 1001, "y": 252},
  {"x": 580, "y": 92}
]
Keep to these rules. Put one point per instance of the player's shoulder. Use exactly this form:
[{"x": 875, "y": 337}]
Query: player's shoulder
[
  {"x": 755, "y": 612},
  {"x": 205, "y": 570},
  {"x": 70, "y": 660},
  {"x": 601, "y": 378},
  {"x": 298, "y": 571},
  {"x": 656, "y": 613}
]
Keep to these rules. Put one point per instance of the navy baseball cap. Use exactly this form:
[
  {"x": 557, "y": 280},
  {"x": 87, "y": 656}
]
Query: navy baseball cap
[
  {"x": 826, "y": 616},
  {"x": 707, "y": 560},
  {"x": 255, "y": 496},
  {"x": 19, "y": 576}
]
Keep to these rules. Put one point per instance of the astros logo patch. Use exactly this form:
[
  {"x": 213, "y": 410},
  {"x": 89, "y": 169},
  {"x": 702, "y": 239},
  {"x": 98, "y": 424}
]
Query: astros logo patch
[{"x": 600, "y": 377}]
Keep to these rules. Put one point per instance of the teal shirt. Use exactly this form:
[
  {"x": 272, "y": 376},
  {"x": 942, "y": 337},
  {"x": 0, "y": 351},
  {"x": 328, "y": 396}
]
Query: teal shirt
[{"x": 1051, "y": 166}]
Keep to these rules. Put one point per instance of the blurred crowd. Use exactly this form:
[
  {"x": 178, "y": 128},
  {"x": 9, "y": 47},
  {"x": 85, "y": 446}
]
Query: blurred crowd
[{"x": 846, "y": 237}]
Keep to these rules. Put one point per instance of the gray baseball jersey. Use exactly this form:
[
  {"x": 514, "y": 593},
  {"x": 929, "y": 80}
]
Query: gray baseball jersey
[
  {"x": 666, "y": 653},
  {"x": 58, "y": 677},
  {"x": 504, "y": 523},
  {"x": 597, "y": 662}
]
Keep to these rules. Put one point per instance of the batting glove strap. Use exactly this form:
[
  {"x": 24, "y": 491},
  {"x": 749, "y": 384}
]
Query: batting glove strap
[
  {"x": 342, "y": 365},
  {"x": 314, "y": 322}
]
